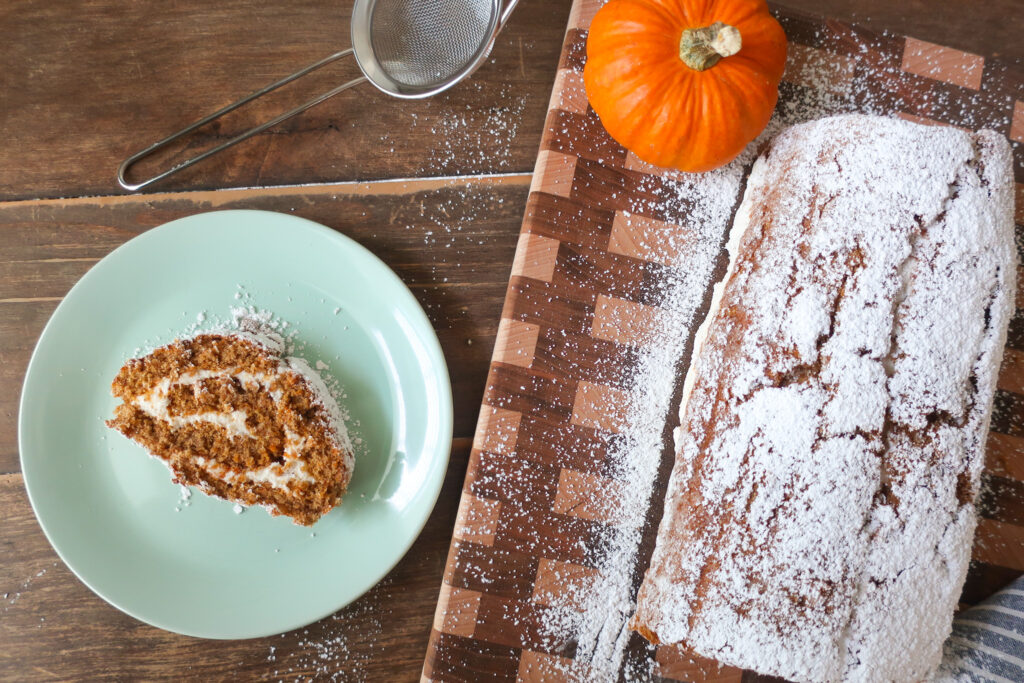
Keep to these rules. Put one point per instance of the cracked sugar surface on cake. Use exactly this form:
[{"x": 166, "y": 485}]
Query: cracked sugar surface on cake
[
  {"x": 819, "y": 516},
  {"x": 228, "y": 412}
]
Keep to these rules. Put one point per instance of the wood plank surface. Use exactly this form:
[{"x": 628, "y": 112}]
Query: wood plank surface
[
  {"x": 89, "y": 83},
  {"x": 447, "y": 240},
  {"x": 53, "y": 628},
  {"x": 86, "y": 83}
]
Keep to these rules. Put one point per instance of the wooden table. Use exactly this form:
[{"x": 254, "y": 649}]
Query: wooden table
[{"x": 436, "y": 188}]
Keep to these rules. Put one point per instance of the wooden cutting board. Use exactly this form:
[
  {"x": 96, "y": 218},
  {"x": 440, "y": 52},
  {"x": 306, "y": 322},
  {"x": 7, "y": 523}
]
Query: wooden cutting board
[{"x": 584, "y": 286}]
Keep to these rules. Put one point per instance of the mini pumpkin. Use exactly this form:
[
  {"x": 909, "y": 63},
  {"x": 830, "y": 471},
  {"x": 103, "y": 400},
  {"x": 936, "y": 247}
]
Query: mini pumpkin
[{"x": 684, "y": 84}]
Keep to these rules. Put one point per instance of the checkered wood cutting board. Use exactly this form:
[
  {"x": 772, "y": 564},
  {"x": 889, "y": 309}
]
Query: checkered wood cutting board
[{"x": 583, "y": 290}]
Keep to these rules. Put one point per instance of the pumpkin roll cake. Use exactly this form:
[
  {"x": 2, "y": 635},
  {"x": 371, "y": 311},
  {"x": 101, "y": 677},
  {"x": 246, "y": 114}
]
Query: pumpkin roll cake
[
  {"x": 230, "y": 414},
  {"x": 820, "y": 513}
]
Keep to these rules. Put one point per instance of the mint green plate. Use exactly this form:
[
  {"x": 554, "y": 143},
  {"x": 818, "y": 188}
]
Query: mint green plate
[{"x": 196, "y": 567}]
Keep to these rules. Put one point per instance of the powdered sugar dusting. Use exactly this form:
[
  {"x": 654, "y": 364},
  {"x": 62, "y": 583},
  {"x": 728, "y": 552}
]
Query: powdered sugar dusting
[
  {"x": 595, "y": 616},
  {"x": 477, "y": 135},
  {"x": 591, "y": 619},
  {"x": 341, "y": 647},
  {"x": 831, "y": 486}
]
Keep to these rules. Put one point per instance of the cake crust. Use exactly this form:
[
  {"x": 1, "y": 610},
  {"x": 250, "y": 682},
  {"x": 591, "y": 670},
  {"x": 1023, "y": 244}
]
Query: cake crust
[
  {"x": 819, "y": 517},
  {"x": 230, "y": 414}
]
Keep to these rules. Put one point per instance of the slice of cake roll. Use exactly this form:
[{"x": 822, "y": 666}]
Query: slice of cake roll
[
  {"x": 819, "y": 518},
  {"x": 230, "y": 414}
]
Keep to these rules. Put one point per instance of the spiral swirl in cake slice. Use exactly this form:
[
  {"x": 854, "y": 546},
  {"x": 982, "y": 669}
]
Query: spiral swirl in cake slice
[{"x": 230, "y": 414}]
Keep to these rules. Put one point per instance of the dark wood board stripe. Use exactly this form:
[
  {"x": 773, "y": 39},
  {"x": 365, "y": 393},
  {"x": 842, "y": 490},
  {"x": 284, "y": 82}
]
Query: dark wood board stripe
[
  {"x": 457, "y": 658},
  {"x": 1002, "y": 499},
  {"x": 502, "y": 573},
  {"x": 583, "y": 358},
  {"x": 543, "y": 441},
  {"x": 507, "y": 477}
]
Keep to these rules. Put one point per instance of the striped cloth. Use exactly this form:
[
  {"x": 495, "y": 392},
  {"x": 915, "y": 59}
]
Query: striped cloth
[{"x": 987, "y": 643}]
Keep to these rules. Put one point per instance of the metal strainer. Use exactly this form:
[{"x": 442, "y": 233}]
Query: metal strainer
[{"x": 406, "y": 48}]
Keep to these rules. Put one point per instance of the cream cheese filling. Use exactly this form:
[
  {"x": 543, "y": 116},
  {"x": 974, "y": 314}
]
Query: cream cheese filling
[
  {"x": 279, "y": 475},
  {"x": 740, "y": 226}
]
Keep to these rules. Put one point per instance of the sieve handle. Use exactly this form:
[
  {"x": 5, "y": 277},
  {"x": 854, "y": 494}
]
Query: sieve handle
[
  {"x": 127, "y": 163},
  {"x": 506, "y": 13}
]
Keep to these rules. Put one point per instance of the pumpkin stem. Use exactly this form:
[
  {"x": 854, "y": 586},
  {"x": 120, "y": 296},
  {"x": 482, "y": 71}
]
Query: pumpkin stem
[{"x": 701, "y": 48}]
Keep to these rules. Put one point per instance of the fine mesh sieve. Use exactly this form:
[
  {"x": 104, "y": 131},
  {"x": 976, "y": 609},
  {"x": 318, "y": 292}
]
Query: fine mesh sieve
[
  {"x": 425, "y": 44},
  {"x": 406, "y": 48}
]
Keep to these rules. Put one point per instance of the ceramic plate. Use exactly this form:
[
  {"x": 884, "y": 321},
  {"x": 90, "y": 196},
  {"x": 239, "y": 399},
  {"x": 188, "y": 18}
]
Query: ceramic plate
[{"x": 193, "y": 565}]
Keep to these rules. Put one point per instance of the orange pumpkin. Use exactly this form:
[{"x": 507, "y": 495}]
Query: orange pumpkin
[{"x": 684, "y": 84}]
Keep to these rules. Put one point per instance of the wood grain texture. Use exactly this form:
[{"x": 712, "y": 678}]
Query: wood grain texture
[
  {"x": 87, "y": 84},
  {"x": 84, "y": 84},
  {"x": 53, "y": 628},
  {"x": 590, "y": 270},
  {"x": 449, "y": 241}
]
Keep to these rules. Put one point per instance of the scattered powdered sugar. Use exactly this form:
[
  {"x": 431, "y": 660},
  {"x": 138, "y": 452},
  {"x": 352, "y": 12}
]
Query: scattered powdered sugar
[
  {"x": 476, "y": 136},
  {"x": 454, "y": 225},
  {"x": 184, "y": 498},
  {"x": 12, "y": 597},
  {"x": 340, "y": 647}
]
